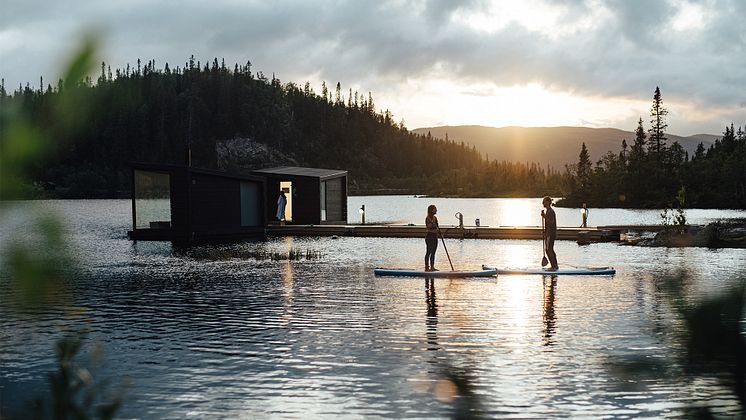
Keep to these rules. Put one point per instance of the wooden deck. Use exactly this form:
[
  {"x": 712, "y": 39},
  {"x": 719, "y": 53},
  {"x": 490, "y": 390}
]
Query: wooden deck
[
  {"x": 581, "y": 235},
  {"x": 592, "y": 234}
]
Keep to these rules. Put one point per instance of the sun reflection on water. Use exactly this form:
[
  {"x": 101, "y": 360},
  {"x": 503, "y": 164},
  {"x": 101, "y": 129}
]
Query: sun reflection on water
[
  {"x": 515, "y": 212},
  {"x": 520, "y": 254}
]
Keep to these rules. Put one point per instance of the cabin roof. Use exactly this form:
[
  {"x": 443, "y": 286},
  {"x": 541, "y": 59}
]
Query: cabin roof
[
  {"x": 165, "y": 167},
  {"x": 306, "y": 172}
]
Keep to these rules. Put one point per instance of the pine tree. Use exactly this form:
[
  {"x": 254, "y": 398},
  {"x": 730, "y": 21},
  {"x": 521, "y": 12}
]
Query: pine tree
[
  {"x": 658, "y": 128},
  {"x": 637, "y": 162},
  {"x": 624, "y": 153},
  {"x": 584, "y": 170}
]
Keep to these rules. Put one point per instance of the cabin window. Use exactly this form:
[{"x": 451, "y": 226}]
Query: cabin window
[
  {"x": 322, "y": 200},
  {"x": 250, "y": 204},
  {"x": 152, "y": 199}
]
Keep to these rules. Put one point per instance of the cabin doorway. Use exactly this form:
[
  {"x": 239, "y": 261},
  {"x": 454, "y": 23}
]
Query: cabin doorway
[{"x": 287, "y": 187}]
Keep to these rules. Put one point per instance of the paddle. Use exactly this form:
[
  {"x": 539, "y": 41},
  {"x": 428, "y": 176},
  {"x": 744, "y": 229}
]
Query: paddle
[
  {"x": 544, "y": 260},
  {"x": 444, "y": 247}
]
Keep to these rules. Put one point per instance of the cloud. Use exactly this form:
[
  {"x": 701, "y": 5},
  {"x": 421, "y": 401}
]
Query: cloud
[{"x": 693, "y": 50}]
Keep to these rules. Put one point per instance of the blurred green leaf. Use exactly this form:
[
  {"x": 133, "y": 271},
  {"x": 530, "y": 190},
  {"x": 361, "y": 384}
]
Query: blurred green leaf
[
  {"x": 73, "y": 105},
  {"x": 39, "y": 262}
]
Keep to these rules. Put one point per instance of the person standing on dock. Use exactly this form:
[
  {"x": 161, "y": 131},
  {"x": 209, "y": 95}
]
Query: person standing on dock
[
  {"x": 584, "y": 212},
  {"x": 550, "y": 231},
  {"x": 281, "y": 202},
  {"x": 431, "y": 240}
]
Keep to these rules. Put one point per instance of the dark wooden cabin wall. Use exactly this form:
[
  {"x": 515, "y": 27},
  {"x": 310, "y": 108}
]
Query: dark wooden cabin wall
[
  {"x": 216, "y": 204},
  {"x": 180, "y": 202}
]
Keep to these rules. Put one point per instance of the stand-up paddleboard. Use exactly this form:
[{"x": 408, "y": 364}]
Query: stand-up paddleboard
[
  {"x": 576, "y": 271},
  {"x": 404, "y": 272}
]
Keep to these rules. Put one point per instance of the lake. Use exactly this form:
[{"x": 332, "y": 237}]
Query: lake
[
  {"x": 508, "y": 212},
  {"x": 199, "y": 333}
]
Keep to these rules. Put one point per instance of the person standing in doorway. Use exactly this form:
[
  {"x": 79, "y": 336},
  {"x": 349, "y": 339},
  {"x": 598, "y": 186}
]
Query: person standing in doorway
[
  {"x": 584, "y": 212},
  {"x": 550, "y": 231},
  {"x": 431, "y": 240},
  {"x": 281, "y": 202}
]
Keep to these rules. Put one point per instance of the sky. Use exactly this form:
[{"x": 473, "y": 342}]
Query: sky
[{"x": 534, "y": 63}]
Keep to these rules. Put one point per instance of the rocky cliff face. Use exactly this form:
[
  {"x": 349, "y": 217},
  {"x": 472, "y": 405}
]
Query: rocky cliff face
[{"x": 242, "y": 155}]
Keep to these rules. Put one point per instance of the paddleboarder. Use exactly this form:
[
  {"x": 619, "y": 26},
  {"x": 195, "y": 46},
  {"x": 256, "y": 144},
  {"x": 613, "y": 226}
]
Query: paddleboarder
[
  {"x": 550, "y": 231},
  {"x": 431, "y": 240}
]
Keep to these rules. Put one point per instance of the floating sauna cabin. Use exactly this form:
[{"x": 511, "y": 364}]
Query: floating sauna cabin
[
  {"x": 184, "y": 204},
  {"x": 314, "y": 196}
]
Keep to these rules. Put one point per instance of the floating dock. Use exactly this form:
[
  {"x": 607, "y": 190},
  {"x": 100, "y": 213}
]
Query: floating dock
[{"x": 590, "y": 234}]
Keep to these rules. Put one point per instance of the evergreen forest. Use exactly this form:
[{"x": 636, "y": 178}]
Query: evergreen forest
[
  {"x": 653, "y": 173},
  {"x": 150, "y": 114}
]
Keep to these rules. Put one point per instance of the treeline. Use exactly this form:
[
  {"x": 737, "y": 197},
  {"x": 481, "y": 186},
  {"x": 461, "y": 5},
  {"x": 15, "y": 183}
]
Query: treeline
[
  {"x": 651, "y": 172},
  {"x": 152, "y": 114}
]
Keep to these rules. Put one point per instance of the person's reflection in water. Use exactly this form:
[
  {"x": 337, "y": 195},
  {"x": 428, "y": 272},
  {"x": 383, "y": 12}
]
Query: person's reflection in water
[
  {"x": 550, "y": 287},
  {"x": 448, "y": 384},
  {"x": 431, "y": 322}
]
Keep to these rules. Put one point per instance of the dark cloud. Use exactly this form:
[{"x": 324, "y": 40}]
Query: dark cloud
[{"x": 377, "y": 45}]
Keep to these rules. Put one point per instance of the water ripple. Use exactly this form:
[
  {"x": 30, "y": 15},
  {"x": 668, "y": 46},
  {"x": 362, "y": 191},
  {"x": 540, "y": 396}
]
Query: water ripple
[{"x": 248, "y": 338}]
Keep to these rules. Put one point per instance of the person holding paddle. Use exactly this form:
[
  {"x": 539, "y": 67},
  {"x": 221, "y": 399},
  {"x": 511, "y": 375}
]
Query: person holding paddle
[
  {"x": 431, "y": 240},
  {"x": 550, "y": 232}
]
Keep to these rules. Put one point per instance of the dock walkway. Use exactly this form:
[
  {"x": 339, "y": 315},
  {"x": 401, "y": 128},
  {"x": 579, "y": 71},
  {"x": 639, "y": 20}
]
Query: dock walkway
[{"x": 591, "y": 234}]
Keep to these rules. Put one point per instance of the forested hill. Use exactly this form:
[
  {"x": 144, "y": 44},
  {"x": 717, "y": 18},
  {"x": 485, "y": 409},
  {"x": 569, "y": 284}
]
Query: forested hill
[
  {"x": 555, "y": 146},
  {"x": 152, "y": 114}
]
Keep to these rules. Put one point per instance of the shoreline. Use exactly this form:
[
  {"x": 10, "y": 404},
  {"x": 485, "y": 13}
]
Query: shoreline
[{"x": 720, "y": 234}]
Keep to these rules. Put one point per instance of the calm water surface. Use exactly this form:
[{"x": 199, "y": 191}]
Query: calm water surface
[
  {"x": 202, "y": 337},
  {"x": 508, "y": 212}
]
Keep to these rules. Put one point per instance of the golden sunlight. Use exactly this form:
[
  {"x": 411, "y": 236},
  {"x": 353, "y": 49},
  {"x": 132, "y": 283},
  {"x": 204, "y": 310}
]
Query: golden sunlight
[
  {"x": 444, "y": 102},
  {"x": 515, "y": 212},
  {"x": 519, "y": 255}
]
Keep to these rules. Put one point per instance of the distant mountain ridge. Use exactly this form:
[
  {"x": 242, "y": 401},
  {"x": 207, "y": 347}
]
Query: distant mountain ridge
[{"x": 554, "y": 146}]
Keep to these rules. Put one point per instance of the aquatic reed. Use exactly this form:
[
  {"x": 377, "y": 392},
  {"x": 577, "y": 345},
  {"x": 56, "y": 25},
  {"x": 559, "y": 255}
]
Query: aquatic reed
[{"x": 222, "y": 254}]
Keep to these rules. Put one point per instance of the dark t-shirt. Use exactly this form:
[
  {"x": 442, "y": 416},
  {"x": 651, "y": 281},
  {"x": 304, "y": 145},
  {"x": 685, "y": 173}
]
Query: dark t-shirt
[{"x": 550, "y": 221}]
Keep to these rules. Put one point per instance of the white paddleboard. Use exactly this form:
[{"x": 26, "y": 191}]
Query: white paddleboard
[
  {"x": 576, "y": 271},
  {"x": 405, "y": 272}
]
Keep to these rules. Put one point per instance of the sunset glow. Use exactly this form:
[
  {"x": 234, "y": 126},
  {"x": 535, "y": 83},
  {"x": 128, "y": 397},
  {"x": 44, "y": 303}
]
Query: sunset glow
[
  {"x": 498, "y": 63},
  {"x": 531, "y": 105},
  {"x": 516, "y": 212}
]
